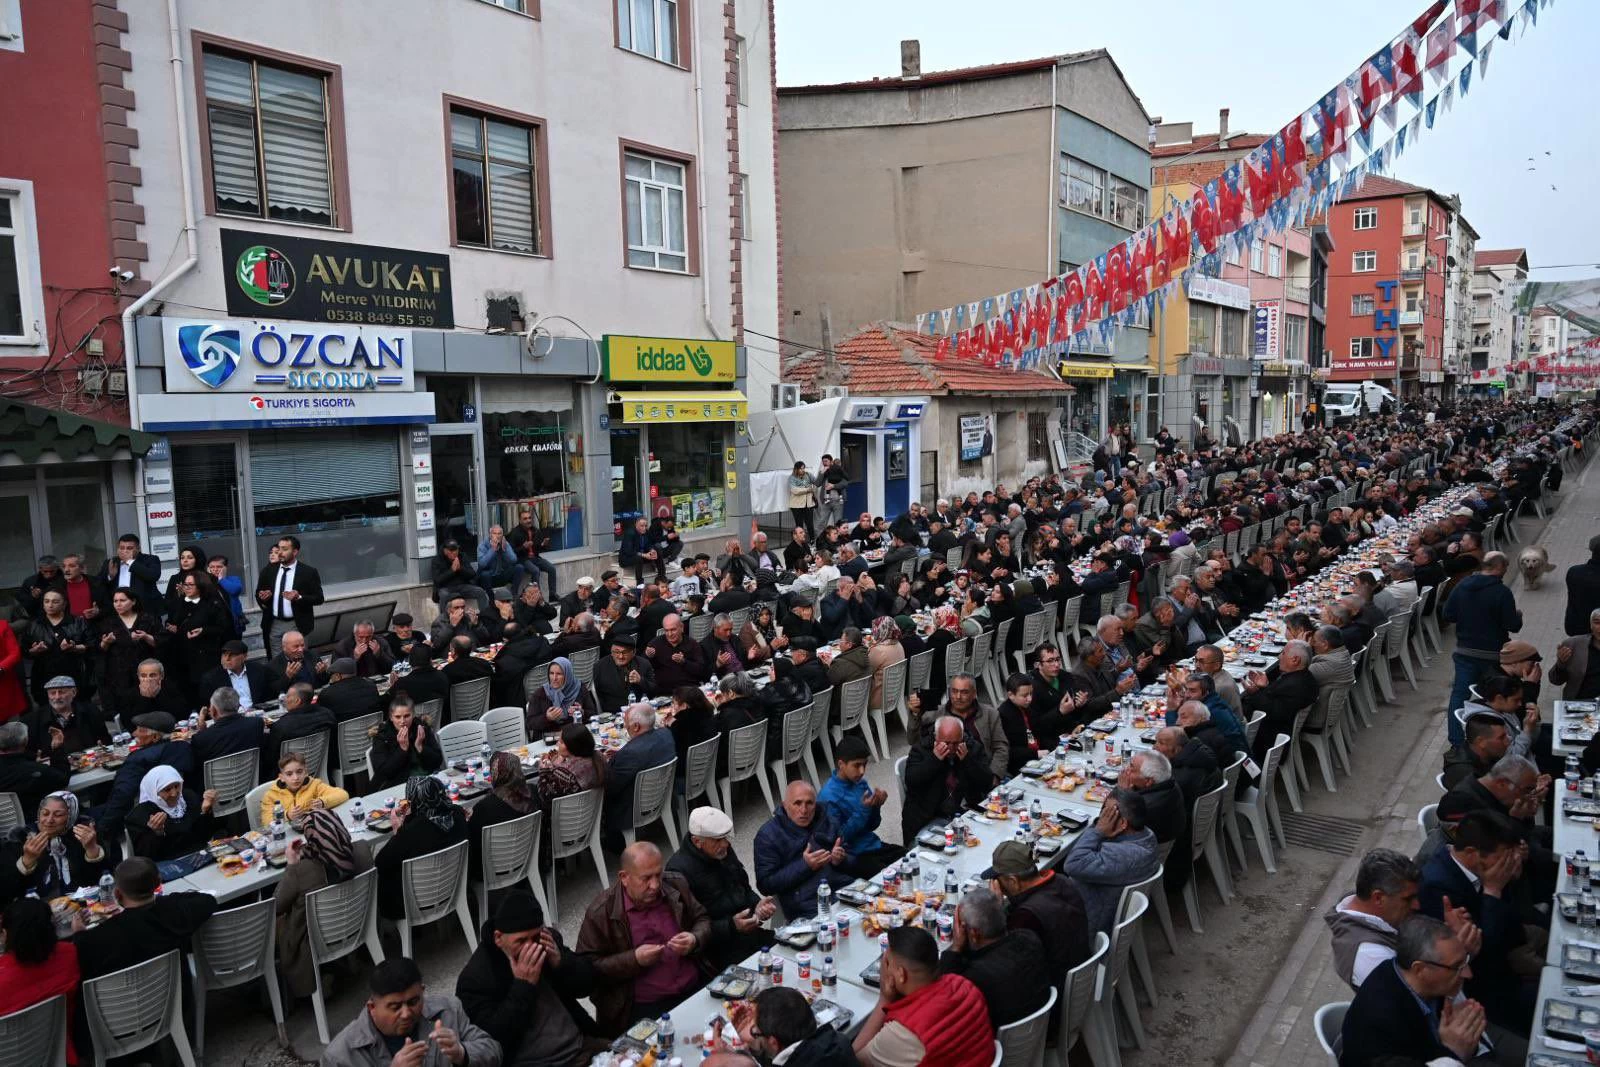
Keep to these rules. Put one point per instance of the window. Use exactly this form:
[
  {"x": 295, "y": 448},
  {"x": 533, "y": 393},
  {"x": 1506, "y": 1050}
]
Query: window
[
  {"x": 1411, "y": 300},
  {"x": 1364, "y": 262},
  {"x": 534, "y": 457},
  {"x": 1230, "y": 254},
  {"x": 1274, "y": 261},
  {"x": 21, "y": 297},
  {"x": 689, "y": 471},
  {"x": 739, "y": 76},
  {"x": 1361, "y": 348},
  {"x": 1416, "y": 214},
  {"x": 519, "y": 6},
  {"x": 1039, "y": 435},
  {"x": 649, "y": 27},
  {"x": 1413, "y": 259},
  {"x": 1083, "y": 187},
  {"x": 269, "y": 153},
  {"x": 494, "y": 166},
  {"x": 1233, "y": 332},
  {"x": 1127, "y": 203},
  {"x": 1363, "y": 304},
  {"x": 1294, "y": 337},
  {"x": 1255, "y": 256},
  {"x": 657, "y": 209},
  {"x": 744, "y": 206},
  {"x": 1202, "y": 323},
  {"x": 1366, "y": 218}
]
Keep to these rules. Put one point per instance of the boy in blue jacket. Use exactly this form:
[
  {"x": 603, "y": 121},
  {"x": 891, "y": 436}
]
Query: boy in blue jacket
[{"x": 856, "y": 809}]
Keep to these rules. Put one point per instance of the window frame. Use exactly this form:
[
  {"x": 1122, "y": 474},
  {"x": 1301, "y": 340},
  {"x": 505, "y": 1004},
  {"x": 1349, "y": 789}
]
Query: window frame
[
  {"x": 1371, "y": 215},
  {"x": 744, "y": 207},
  {"x": 541, "y": 174},
  {"x": 1257, "y": 254},
  {"x": 1369, "y": 303},
  {"x": 1274, "y": 261},
  {"x": 691, "y": 214},
  {"x": 1065, "y": 178},
  {"x": 24, "y": 229},
  {"x": 685, "y": 40},
  {"x": 530, "y": 8},
  {"x": 741, "y": 72},
  {"x": 1356, "y": 260},
  {"x": 333, "y": 105},
  {"x": 1363, "y": 348},
  {"x": 1138, "y": 203}
]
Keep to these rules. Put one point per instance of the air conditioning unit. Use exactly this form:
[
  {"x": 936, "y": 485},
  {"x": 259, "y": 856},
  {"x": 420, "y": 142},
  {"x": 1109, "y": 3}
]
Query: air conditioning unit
[
  {"x": 835, "y": 392},
  {"x": 785, "y": 395}
]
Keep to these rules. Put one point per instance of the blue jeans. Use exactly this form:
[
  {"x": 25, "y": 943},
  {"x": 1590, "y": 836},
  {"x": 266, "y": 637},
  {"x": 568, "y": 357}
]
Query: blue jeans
[
  {"x": 536, "y": 564},
  {"x": 1469, "y": 671}
]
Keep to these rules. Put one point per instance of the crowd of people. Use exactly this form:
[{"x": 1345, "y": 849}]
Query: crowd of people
[{"x": 839, "y": 602}]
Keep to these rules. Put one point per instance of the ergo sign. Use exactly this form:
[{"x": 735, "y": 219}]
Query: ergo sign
[{"x": 160, "y": 515}]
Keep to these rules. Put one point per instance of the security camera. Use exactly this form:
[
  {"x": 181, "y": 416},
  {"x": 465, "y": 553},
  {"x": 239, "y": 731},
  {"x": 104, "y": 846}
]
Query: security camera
[
  {"x": 115, "y": 271},
  {"x": 121, "y": 275}
]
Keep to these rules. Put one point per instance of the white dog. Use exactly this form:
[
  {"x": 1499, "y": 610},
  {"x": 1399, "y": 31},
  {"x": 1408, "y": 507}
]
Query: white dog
[{"x": 1534, "y": 563}]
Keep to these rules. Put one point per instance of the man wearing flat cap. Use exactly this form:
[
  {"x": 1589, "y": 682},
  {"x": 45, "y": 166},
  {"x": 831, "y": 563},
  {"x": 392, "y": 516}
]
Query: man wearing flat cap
[
  {"x": 152, "y": 732},
  {"x": 347, "y": 694},
  {"x": 719, "y": 882},
  {"x": 522, "y": 986},
  {"x": 66, "y": 724}
]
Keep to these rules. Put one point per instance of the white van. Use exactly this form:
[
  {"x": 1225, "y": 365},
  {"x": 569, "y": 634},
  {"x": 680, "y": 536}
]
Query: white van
[{"x": 1345, "y": 400}]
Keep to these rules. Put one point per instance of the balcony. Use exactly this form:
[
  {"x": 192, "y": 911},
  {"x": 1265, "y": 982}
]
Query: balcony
[
  {"x": 1411, "y": 318},
  {"x": 1412, "y": 274},
  {"x": 1300, "y": 294},
  {"x": 1413, "y": 229}
]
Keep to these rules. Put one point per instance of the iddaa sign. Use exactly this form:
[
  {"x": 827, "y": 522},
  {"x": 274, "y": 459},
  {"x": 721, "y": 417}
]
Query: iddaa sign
[{"x": 242, "y": 356}]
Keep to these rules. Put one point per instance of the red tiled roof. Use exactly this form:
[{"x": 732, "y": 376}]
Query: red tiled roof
[
  {"x": 875, "y": 362},
  {"x": 1208, "y": 143},
  {"x": 1377, "y": 187},
  {"x": 1500, "y": 257}
]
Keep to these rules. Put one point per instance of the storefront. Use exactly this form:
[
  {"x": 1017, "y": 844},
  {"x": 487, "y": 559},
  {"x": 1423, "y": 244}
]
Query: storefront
[
  {"x": 675, "y": 423},
  {"x": 1281, "y": 394},
  {"x": 1090, "y": 404},
  {"x": 880, "y": 442}
]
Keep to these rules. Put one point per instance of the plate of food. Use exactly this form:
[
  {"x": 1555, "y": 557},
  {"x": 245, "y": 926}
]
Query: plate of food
[
  {"x": 231, "y": 865},
  {"x": 1564, "y": 1019},
  {"x": 379, "y": 822}
]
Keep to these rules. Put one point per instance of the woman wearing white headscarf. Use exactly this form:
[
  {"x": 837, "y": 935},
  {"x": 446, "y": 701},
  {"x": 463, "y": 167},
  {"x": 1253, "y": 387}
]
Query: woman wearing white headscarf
[
  {"x": 53, "y": 856},
  {"x": 169, "y": 821}
]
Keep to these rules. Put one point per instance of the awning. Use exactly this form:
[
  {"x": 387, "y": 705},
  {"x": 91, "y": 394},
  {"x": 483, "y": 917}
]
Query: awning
[
  {"x": 1071, "y": 369},
  {"x": 711, "y": 405},
  {"x": 28, "y": 432}
]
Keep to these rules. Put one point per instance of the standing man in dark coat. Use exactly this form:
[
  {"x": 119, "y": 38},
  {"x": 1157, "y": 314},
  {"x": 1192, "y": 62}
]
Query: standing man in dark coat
[
  {"x": 138, "y": 573},
  {"x": 289, "y": 593},
  {"x": 1583, "y": 591}
]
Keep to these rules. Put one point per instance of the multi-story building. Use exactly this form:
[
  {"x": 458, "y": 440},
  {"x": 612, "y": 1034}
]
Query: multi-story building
[
  {"x": 1458, "y": 303},
  {"x": 1496, "y": 327},
  {"x": 1236, "y": 349},
  {"x": 1386, "y": 286},
  {"x": 1545, "y": 333},
  {"x": 910, "y": 194},
  {"x": 408, "y": 276}
]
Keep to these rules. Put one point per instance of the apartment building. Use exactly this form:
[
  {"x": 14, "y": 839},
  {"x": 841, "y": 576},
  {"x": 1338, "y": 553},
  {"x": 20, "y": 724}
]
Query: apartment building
[{"x": 1497, "y": 341}]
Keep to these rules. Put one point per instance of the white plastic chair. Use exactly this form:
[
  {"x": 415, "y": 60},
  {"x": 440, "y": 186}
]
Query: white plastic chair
[
  {"x": 919, "y": 669},
  {"x": 1398, "y": 648},
  {"x": 797, "y": 732},
  {"x": 821, "y": 705},
  {"x": 1033, "y": 634},
  {"x": 1022, "y": 1042},
  {"x": 340, "y": 919},
  {"x": 534, "y": 680},
  {"x": 1230, "y": 825},
  {"x": 1067, "y": 636},
  {"x": 982, "y": 665},
  {"x": 747, "y": 748},
  {"x": 1294, "y": 771},
  {"x": 652, "y": 800},
  {"x": 462, "y": 740},
  {"x": 700, "y": 626},
  {"x": 1428, "y": 819},
  {"x": 1252, "y": 728},
  {"x": 583, "y": 663},
  {"x": 999, "y": 1054},
  {"x": 1150, "y": 887},
  {"x": 11, "y": 813},
  {"x": 1325, "y": 744},
  {"x": 430, "y": 711},
  {"x": 35, "y": 1036},
  {"x": 469, "y": 700},
  {"x": 313, "y": 748},
  {"x": 510, "y": 854},
  {"x": 434, "y": 886},
  {"x": 252, "y": 804},
  {"x": 853, "y": 697},
  {"x": 1330, "y": 1026},
  {"x": 232, "y": 776},
  {"x": 574, "y": 827},
  {"x": 1203, "y": 831},
  {"x": 1081, "y": 992},
  {"x": 232, "y": 948},
  {"x": 1260, "y": 805},
  {"x": 900, "y": 777},
  {"x": 135, "y": 1008},
  {"x": 353, "y": 741},
  {"x": 955, "y": 658},
  {"x": 507, "y": 728},
  {"x": 1122, "y": 937},
  {"x": 893, "y": 697},
  {"x": 700, "y": 775}
]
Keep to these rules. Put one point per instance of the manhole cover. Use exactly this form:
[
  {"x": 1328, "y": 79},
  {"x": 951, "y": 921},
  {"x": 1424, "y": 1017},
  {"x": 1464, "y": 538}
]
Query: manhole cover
[{"x": 1324, "y": 833}]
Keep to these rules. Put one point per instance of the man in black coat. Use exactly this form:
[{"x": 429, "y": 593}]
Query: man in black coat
[
  {"x": 1281, "y": 696},
  {"x": 1008, "y": 966},
  {"x": 802, "y": 663},
  {"x": 223, "y": 732},
  {"x": 523, "y": 650},
  {"x": 1046, "y": 903},
  {"x": 779, "y": 1020},
  {"x": 21, "y": 774},
  {"x": 289, "y": 593},
  {"x": 1583, "y": 591},
  {"x": 236, "y": 670},
  {"x": 944, "y": 771},
  {"x": 301, "y": 718},
  {"x": 1150, "y": 775},
  {"x": 653, "y": 614},
  {"x": 138, "y": 573},
  {"x": 522, "y": 985},
  {"x": 1406, "y": 1012},
  {"x": 148, "y": 926},
  {"x": 347, "y": 694},
  {"x": 1194, "y": 764},
  {"x": 622, "y": 672},
  {"x": 722, "y": 886},
  {"x": 463, "y": 666}
]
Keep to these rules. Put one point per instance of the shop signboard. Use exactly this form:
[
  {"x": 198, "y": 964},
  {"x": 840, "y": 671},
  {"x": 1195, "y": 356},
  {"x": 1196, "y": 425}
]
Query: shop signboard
[
  {"x": 275, "y": 276},
  {"x": 1216, "y": 291},
  {"x": 157, "y": 479},
  {"x": 162, "y": 412},
  {"x": 977, "y": 439},
  {"x": 1265, "y": 338},
  {"x": 667, "y": 359},
  {"x": 246, "y": 356}
]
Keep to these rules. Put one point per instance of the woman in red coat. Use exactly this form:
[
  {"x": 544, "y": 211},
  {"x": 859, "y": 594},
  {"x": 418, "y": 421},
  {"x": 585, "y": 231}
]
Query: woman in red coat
[
  {"x": 36, "y": 966},
  {"x": 13, "y": 699}
]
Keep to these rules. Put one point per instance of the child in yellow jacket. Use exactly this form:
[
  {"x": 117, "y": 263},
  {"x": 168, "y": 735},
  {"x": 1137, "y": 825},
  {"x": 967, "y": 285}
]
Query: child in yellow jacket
[{"x": 298, "y": 792}]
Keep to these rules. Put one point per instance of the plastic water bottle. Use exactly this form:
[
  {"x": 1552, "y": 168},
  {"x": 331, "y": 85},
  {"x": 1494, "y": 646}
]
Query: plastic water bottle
[
  {"x": 825, "y": 935},
  {"x": 357, "y": 816},
  {"x": 951, "y": 882},
  {"x": 1571, "y": 774},
  {"x": 486, "y": 753},
  {"x": 824, "y": 901},
  {"x": 577, "y": 714},
  {"x": 1036, "y": 810},
  {"x": 106, "y": 884},
  {"x": 280, "y": 833},
  {"x": 664, "y": 1032},
  {"x": 830, "y": 973}
]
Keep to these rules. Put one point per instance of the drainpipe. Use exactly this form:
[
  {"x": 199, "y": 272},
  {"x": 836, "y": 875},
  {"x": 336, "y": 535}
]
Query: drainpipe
[
  {"x": 700, "y": 183},
  {"x": 180, "y": 107}
]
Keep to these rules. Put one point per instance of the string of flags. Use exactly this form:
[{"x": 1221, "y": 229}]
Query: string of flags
[{"x": 1317, "y": 159}]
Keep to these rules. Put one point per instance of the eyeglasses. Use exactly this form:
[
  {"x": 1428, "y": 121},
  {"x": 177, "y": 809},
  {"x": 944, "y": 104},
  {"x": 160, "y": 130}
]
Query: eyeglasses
[{"x": 1455, "y": 967}]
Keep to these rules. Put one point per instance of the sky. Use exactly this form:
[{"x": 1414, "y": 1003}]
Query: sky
[{"x": 1268, "y": 61}]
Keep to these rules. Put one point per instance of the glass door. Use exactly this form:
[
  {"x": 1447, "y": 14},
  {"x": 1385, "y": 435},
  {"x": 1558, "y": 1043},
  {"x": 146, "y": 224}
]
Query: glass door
[
  {"x": 455, "y": 489},
  {"x": 626, "y": 478},
  {"x": 21, "y": 540},
  {"x": 205, "y": 488}
]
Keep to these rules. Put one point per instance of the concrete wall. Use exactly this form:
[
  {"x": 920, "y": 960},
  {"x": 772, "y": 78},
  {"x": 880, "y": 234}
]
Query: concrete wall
[{"x": 941, "y": 432}]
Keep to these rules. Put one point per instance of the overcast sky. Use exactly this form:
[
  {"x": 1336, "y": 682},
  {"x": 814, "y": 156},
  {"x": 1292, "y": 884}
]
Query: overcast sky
[{"x": 1267, "y": 62}]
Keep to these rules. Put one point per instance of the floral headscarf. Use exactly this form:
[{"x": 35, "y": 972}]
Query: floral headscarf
[
  {"x": 505, "y": 771},
  {"x": 61, "y": 872},
  {"x": 428, "y": 798},
  {"x": 328, "y": 842}
]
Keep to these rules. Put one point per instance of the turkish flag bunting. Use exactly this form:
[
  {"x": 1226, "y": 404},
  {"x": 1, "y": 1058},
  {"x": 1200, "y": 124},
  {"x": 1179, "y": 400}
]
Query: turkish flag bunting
[{"x": 1424, "y": 20}]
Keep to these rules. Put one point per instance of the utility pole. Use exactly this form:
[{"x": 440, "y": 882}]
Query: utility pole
[{"x": 830, "y": 365}]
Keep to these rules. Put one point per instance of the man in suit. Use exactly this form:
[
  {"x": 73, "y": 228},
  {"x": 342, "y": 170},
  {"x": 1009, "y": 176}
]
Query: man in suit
[
  {"x": 223, "y": 732},
  {"x": 253, "y": 680},
  {"x": 302, "y": 717},
  {"x": 289, "y": 593},
  {"x": 292, "y": 665},
  {"x": 347, "y": 694},
  {"x": 1407, "y": 1009},
  {"x": 647, "y": 746},
  {"x": 136, "y": 572},
  {"x": 1281, "y": 697}
]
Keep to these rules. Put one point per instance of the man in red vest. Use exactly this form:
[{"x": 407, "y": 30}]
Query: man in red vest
[{"x": 923, "y": 1017}]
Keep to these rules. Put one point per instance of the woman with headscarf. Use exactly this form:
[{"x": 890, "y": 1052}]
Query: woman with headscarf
[
  {"x": 169, "y": 821},
  {"x": 933, "y": 581},
  {"x": 574, "y": 766},
  {"x": 427, "y": 822},
  {"x": 884, "y": 652},
  {"x": 53, "y": 856},
  {"x": 324, "y": 856},
  {"x": 761, "y": 637},
  {"x": 510, "y": 798},
  {"x": 553, "y": 703}
]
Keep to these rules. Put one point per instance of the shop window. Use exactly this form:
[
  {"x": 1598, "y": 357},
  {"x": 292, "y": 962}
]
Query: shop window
[
  {"x": 535, "y": 458},
  {"x": 495, "y": 165},
  {"x": 453, "y": 398},
  {"x": 339, "y": 493},
  {"x": 1152, "y": 405},
  {"x": 688, "y": 472},
  {"x": 1039, "y": 435},
  {"x": 269, "y": 137}
]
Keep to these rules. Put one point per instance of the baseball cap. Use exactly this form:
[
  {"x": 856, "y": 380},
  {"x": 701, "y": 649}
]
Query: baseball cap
[
  {"x": 709, "y": 822},
  {"x": 1517, "y": 652},
  {"x": 1011, "y": 858}
]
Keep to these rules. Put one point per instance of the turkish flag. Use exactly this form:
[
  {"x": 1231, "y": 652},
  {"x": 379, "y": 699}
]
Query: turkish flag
[
  {"x": 1094, "y": 294},
  {"x": 1141, "y": 262},
  {"x": 1420, "y": 25},
  {"x": 1441, "y": 46},
  {"x": 1204, "y": 220}
]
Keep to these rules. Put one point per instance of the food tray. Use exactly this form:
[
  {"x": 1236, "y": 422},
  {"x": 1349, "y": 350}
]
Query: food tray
[
  {"x": 1564, "y": 1019},
  {"x": 799, "y": 935},
  {"x": 1580, "y": 962},
  {"x": 828, "y": 1013},
  {"x": 1587, "y": 807},
  {"x": 735, "y": 983}
]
